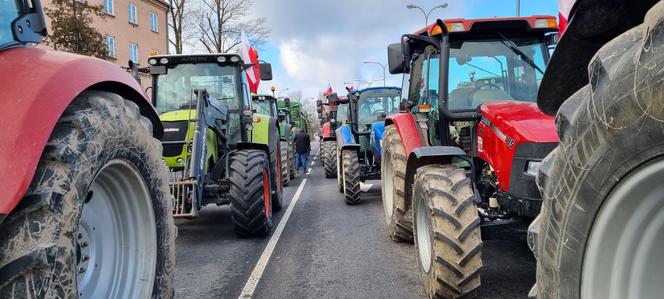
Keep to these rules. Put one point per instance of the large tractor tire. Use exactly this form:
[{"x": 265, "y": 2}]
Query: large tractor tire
[
  {"x": 275, "y": 174},
  {"x": 351, "y": 177},
  {"x": 291, "y": 161},
  {"x": 251, "y": 204},
  {"x": 285, "y": 169},
  {"x": 329, "y": 157},
  {"x": 96, "y": 220},
  {"x": 601, "y": 218},
  {"x": 393, "y": 175},
  {"x": 447, "y": 232}
]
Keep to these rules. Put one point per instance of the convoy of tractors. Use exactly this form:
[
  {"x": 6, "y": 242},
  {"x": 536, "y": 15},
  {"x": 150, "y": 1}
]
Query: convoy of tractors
[{"x": 488, "y": 130}]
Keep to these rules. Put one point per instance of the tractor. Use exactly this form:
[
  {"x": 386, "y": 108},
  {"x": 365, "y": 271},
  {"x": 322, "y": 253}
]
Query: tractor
[
  {"x": 85, "y": 209},
  {"x": 600, "y": 232},
  {"x": 267, "y": 105},
  {"x": 286, "y": 131},
  {"x": 336, "y": 113},
  {"x": 217, "y": 149},
  {"x": 359, "y": 140},
  {"x": 456, "y": 162}
]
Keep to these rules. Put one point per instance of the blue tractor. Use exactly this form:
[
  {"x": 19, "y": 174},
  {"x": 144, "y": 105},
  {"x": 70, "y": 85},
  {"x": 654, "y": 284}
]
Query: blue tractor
[{"x": 359, "y": 139}]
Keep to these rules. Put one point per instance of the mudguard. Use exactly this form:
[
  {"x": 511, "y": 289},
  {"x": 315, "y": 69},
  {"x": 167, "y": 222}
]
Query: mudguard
[
  {"x": 426, "y": 156},
  {"x": 36, "y": 87},
  {"x": 407, "y": 128},
  {"x": 345, "y": 135}
]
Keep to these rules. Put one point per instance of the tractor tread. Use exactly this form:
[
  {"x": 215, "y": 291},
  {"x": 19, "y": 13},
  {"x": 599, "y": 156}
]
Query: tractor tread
[{"x": 248, "y": 212}]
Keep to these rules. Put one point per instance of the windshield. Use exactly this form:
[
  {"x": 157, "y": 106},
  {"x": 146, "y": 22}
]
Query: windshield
[
  {"x": 376, "y": 104},
  {"x": 491, "y": 70},
  {"x": 9, "y": 11},
  {"x": 262, "y": 105},
  {"x": 175, "y": 90}
]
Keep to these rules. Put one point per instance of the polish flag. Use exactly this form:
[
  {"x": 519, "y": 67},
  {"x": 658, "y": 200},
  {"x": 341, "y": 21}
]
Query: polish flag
[
  {"x": 250, "y": 55},
  {"x": 564, "y": 8},
  {"x": 328, "y": 91}
]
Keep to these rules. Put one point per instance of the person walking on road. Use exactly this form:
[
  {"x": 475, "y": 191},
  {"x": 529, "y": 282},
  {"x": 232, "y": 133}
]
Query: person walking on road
[{"x": 302, "y": 149}]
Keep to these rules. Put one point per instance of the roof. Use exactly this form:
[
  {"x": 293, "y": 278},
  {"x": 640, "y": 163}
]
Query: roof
[
  {"x": 375, "y": 88},
  {"x": 196, "y": 58},
  {"x": 481, "y": 24}
]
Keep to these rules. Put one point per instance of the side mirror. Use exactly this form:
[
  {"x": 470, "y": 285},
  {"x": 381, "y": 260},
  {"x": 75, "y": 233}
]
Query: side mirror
[
  {"x": 266, "y": 71},
  {"x": 287, "y": 102},
  {"x": 395, "y": 59}
]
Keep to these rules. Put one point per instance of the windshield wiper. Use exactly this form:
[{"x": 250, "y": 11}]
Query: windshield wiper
[{"x": 512, "y": 46}]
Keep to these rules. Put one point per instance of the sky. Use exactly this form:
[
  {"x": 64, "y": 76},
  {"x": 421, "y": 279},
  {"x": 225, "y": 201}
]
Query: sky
[{"x": 314, "y": 43}]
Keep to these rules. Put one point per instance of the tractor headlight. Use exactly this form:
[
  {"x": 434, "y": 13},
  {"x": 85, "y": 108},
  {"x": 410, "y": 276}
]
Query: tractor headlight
[
  {"x": 533, "y": 167},
  {"x": 180, "y": 161},
  {"x": 221, "y": 59},
  {"x": 163, "y": 60},
  {"x": 152, "y": 61}
]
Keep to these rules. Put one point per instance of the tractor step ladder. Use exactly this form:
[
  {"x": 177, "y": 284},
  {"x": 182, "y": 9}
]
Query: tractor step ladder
[{"x": 183, "y": 193}]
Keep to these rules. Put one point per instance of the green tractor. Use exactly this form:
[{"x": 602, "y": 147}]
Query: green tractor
[
  {"x": 265, "y": 104},
  {"x": 218, "y": 151}
]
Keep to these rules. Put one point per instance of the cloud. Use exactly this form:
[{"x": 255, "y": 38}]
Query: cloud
[{"x": 327, "y": 41}]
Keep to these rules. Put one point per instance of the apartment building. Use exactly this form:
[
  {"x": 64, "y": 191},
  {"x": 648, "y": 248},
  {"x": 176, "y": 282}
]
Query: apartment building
[{"x": 133, "y": 29}]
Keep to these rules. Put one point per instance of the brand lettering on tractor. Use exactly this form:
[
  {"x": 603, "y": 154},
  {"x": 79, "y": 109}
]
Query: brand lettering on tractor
[{"x": 169, "y": 130}]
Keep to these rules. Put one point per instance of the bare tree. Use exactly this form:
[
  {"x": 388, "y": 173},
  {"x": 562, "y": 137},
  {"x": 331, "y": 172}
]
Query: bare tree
[
  {"x": 221, "y": 21},
  {"x": 177, "y": 23}
]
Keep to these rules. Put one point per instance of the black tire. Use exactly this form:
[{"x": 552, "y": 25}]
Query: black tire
[
  {"x": 285, "y": 169},
  {"x": 393, "y": 173},
  {"x": 249, "y": 173},
  {"x": 291, "y": 161},
  {"x": 329, "y": 157},
  {"x": 38, "y": 243},
  {"x": 351, "y": 179},
  {"x": 275, "y": 174},
  {"x": 454, "y": 234},
  {"x": 608, "y": 130}
]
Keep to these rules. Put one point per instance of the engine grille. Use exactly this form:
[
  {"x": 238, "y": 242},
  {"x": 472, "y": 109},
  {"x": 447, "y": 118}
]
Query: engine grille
[{"x": 174, "y": 133}]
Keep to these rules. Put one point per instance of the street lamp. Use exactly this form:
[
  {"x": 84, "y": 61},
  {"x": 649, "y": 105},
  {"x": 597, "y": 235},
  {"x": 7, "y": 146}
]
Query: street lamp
[
  {"x": 381, "y": 65},
  {"x": 426, "y": 14}
]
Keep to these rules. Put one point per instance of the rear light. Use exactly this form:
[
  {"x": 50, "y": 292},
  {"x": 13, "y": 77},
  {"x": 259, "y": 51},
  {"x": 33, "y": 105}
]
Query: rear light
[
  {"x": 546, "y": 23},
  {"x": 455, "y": 27}
]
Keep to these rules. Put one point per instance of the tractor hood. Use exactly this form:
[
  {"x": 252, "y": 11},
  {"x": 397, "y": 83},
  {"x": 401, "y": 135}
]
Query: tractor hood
[
  {"x": 377, "y": 130},
  {"x": 519, "y": 121},
  {"x": 178, "y": 115}
]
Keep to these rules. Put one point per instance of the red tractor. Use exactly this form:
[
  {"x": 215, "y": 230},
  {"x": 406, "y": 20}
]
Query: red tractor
[
  {"x": 85, "y": 209},
  {"x": 465, "y": 150},
  {"x": 332, "y": 114},
  {"x": 601, "y": 230}
]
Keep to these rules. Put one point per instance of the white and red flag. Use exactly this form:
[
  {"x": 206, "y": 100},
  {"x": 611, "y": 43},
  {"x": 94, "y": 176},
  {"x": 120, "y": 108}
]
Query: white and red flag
[
  {"x": 250, "y": 55},
  {"x": 328, "y": 91},
  {"x": 564, "y": 8}
]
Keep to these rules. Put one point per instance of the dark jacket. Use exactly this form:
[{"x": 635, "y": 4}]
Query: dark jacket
[{"x": 302, "y": 142}]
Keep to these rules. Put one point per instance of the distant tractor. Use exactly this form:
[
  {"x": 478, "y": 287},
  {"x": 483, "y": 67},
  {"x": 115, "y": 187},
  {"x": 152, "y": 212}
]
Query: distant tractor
[
  {"x": 335, "y": 115},
  {"x": 462, "y": 158},
  {"x": 85, "y": 209},
  {"x": 359, "y": 139},
  {"x": 218, "y": 151},
  {"x": 267, "y": 105},
  {"x": 286, "y": 130}
]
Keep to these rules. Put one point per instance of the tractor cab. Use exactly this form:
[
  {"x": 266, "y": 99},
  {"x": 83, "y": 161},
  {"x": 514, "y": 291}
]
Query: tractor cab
[
  {"x": 265, "y": 105},
  {"x": 368, "y": 109}
]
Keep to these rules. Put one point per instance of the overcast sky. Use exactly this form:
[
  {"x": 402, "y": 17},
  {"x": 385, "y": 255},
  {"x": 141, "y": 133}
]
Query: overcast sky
[{"x": 316, "y": 42}]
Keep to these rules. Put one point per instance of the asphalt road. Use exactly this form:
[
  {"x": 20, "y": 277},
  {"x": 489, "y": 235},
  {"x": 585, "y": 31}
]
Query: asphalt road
[{"x": 326, "y": 250}]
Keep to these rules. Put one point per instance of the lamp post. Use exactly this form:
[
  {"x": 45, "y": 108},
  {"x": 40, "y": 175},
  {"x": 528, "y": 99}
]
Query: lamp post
[
  {"x": 426, "y": 14},
  {"x": 382, "y": 66}
]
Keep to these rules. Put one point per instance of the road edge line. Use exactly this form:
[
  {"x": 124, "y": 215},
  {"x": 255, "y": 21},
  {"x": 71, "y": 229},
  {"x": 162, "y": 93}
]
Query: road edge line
[{"x": 257, "y": 273}]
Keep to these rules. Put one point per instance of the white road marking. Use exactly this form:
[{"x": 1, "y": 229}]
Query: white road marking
[
  {"x": 309, "y": 170},
  {"x": 252, "y": 282},
  {"x": 312, "y": 163}
]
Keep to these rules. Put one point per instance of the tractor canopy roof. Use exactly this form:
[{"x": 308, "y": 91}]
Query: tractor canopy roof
[
  {"x": 263, "y": 97},
  {"x": 374, "y": 88},
  {"x": 194, "y": 59},
  {"x": 470, "y": 28}
]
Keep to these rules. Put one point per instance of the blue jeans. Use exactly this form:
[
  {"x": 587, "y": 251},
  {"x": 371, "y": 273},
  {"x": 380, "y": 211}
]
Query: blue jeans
[{"x": 301, "y": 159}]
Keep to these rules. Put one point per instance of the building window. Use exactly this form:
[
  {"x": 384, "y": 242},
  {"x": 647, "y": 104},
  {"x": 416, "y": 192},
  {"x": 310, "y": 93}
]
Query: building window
[
  {"x": 133, "y": 52},
  {"x": 132, "y": 13},
  {"x": 153, "y": 22},
  {"x": 108, "y": 7},
  {"x": 110, "y": 46}
]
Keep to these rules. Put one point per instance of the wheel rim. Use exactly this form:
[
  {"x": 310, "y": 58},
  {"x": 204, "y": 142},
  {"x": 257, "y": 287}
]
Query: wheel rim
[
  {"x": 388, "y": 186},
  {"x": 423, "y": 231},
  {"x": 623, "y": 258},
  {"x": 117, "y": 238}
]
